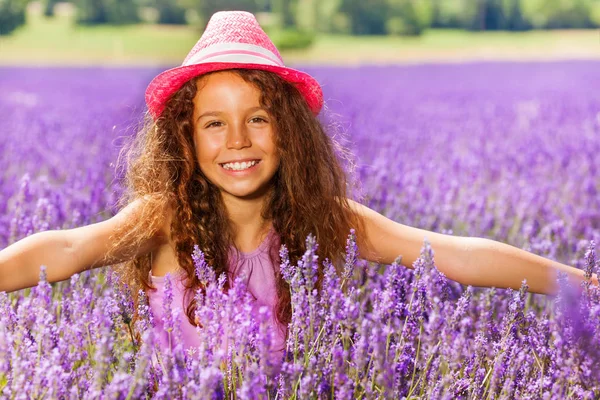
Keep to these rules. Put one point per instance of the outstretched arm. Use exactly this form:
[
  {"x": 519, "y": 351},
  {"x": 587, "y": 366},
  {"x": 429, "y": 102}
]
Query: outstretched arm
[
  {"x": 468, "y": 260},
  {"x": 70, "y": 251},
  {"x": 493, "y": 263}
]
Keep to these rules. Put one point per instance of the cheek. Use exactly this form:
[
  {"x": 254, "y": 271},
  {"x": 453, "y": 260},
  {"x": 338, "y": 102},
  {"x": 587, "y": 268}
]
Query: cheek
[
  {"x": 207, "y": 150},
  {"x": 268, "y": 143}
]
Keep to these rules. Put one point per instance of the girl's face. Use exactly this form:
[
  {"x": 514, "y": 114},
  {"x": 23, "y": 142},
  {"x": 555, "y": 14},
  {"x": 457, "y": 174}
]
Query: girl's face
[{"x": 234, "y": 136}]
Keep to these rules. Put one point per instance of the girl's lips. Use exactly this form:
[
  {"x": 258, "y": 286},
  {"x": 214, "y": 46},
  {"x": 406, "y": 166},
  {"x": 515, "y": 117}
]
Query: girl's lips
[
  {"x": 243, "y": 160},
  {"x": 242, "y": 172}
]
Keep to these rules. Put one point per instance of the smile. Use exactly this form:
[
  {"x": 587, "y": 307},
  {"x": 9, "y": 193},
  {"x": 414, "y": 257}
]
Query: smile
[{"x": 243, "y": 166}]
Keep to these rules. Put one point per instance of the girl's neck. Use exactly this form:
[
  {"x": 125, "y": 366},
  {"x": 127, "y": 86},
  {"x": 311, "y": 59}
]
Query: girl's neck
[{"x": 248, "y": 226}]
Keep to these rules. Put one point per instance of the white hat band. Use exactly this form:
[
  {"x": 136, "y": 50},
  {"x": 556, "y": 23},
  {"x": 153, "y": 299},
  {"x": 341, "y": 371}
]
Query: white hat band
[{"x": 235, "y": 52}]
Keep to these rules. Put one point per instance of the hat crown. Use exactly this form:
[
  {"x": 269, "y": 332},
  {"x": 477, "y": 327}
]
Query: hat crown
[
  {"x": 233, "y": 27},
  {"x": 232, "y": 39}
]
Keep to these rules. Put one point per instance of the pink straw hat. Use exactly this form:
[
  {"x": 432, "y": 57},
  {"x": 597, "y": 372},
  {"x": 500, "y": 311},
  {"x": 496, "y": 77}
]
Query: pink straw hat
[{"x": 232, "y": 39}]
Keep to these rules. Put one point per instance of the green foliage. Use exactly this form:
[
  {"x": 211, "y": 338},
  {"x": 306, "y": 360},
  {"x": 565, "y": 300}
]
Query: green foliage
[
  {"x": 329, "y": 18},
  {"x": 514, "y": 15},
  {"x": 447, "y": 13},
  {"x": 170, "y": 12},
  {"x": 478, "y": 15},
  {"x": 288, "y": 39},
  {"x": 306, "y": 15},
  {"x": 285, "y": 8},
  {"x": 408, "y": 17},
  {"x": 485, "y": 15},
  {"x": 516, "y": 20},
  {"x": 527, "y": 14},
  {"x": 366, "y": 18},
  {"x": 90, "y": 12},
  {"x": 379, "y": 17},
  {"x": 206, "y": 8},
  {"x": 122, "y": 11},
  {"x": 49, "y": 7},
  {"x": 558, "y": 14},
  {"x": 595, "y": 12},
  {"x": 12, "y": 15}
]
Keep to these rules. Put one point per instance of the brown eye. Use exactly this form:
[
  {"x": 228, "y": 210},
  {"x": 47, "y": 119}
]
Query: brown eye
[
  {"x": 212, "y": 123},
  {"x": 259, "y": 119}
]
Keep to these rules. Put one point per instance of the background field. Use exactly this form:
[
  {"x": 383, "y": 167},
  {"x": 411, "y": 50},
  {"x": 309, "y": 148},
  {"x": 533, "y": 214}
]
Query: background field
[
  {"x": 59, "y": 41},
  {"x": 506, "y": 151},
  {"x": 500, "y": 150}
]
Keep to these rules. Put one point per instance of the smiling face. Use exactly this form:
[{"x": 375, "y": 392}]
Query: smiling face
[{"x": 234, "y": 136}]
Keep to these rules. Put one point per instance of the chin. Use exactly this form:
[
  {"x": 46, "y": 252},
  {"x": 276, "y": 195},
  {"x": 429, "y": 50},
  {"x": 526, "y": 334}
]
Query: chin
[{"x": 248, "y": 192}]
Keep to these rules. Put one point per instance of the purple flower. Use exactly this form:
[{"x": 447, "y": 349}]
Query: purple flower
[
  {"x": 204, "y": 272},
  {"x": 287, "y": 270},
  {"x": 146, "y": 319},
  {"x": 351, "y": 255}
]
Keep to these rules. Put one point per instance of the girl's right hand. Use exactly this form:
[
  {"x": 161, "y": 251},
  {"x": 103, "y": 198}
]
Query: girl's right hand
[{"x": 66, "y": 252}]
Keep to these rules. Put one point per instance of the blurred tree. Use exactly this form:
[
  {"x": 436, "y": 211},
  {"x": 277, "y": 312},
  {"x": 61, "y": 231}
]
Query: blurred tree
[
  {"x": 329, "y": 18},
  {"x": 170, "y": 12},
  {"x": 595, "y": 12},
  {"x": 287, "y": 39},
  {"x": 122, "y": 11},
  {"x": 480, "y": 14},
  {"x": 206, "y": 8},
  {"x": 408, "y": 17},
  {"x": 366, "y": 18},
  {"x": 572, "y": 14},
  {"x": 447, "y": 13},
  {"x": 552, "y": 14},
  {"x": 264, "y": 5},
  {"x": 306, "y": 15},
  {"x": 377, "y": 17},
  {"x": 285, "y": 8},
  {"x": 516, "y": 20},
  {"x": 413, "y": 16},
  {"x": 106, "y": 11},
  {"x": 12, "y": 15},
  {"x": 91, "y": 12},
  {"x": 494, "y": 15},
  {"x": 488, "y": 15},
  {"x": 49, "y": 7}
]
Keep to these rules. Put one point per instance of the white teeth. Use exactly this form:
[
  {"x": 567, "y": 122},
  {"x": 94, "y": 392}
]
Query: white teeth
[{"x": 239, "y": 166}]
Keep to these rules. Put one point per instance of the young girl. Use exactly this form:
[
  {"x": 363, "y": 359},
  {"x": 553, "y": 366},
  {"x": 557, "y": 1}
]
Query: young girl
[{"x": 233, "y": 158}]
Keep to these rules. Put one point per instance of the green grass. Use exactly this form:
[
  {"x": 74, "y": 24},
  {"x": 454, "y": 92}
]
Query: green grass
[
  {"x": 457, "y": 45},
  {"x": 58, "y": 41}
]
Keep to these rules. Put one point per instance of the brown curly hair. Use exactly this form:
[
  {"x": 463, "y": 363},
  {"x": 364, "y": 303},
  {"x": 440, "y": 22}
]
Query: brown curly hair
[{"x": 309, "y": 190}]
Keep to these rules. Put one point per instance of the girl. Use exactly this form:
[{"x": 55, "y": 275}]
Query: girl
[{"x": 233, "y": 158}]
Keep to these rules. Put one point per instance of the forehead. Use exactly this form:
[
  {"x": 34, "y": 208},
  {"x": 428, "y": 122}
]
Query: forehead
[
  {"x": 224, "y": 89},
  {"x": 223, "y": 80}
]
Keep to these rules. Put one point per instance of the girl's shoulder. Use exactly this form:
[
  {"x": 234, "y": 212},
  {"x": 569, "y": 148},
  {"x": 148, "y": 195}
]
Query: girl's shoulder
[{"x": 165, "y": 211}]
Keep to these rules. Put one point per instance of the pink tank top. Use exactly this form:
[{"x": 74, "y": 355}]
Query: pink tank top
[{"x": 260, "y": 283}]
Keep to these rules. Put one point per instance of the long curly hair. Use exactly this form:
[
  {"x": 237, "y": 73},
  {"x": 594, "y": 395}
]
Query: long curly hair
[{"x": 309, "y": 191}]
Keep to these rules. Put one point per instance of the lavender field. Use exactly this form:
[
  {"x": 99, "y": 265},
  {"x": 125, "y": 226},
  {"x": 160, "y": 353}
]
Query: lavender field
[{"x": 506, "y": 151}]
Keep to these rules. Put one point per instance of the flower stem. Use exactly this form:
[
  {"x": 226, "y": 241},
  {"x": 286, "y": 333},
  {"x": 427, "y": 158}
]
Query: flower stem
[
  {"x": 416, "y": 357},
  {"x": 135, "y": 347}
]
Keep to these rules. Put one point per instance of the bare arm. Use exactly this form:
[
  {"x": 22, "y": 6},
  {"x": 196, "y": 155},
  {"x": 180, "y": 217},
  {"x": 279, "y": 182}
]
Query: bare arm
[
  {"x": 501, "y": 265},
  {"x": 20, "y": 262},
  {"x": 468, "y": 260},
  {"x": 387, "y": 239},
  {"x": 65, "y": 252}
]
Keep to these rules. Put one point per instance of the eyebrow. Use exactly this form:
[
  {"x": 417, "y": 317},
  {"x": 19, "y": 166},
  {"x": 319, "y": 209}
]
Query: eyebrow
[{"x": 217, "y": 113}]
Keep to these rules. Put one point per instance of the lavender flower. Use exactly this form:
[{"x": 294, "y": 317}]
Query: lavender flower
[
  {"x": 204, "y": 272},
  {"x": 351, "y": 255},
  {"x": 425, "y": 335},
  {"x": 286, "y": 270}
]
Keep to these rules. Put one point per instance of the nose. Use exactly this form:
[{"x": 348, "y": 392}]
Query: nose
[{"x": 237, "y": 137}]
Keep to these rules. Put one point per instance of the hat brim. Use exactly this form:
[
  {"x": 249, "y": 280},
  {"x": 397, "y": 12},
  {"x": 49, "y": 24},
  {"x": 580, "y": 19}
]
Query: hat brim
[{"x": 165, "y": 84}]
